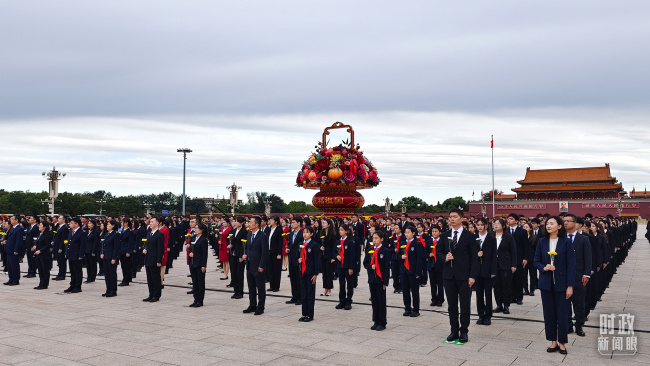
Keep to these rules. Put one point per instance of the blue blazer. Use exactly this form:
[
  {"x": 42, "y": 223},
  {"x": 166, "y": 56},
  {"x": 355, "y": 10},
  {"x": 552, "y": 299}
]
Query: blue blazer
[
  {"x": 111, "y": 247},
  {"x": 15, "y": 239},
  {"x": 76, "y": 247},
  {"x": 200, "y": 258},
  {"x": 565, "y": 264},
  {"x": 257, "y": 250}
]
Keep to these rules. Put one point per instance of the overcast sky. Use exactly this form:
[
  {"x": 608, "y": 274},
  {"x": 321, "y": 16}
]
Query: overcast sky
[{"x": 107, "y": 91}]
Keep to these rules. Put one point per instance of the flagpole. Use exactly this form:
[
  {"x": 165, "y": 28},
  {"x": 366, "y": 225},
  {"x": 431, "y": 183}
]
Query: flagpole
[{"x": 492, "y": 148}]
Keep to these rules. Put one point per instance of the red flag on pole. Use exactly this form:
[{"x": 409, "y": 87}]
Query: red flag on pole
[
  {"x": 490, "y": 193},
  {"x": 492, "y": 143},
  {"x": 633, "y": 190}
]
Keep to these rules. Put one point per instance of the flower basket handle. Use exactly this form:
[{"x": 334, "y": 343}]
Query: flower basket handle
[{"x": 337, "y": 125}]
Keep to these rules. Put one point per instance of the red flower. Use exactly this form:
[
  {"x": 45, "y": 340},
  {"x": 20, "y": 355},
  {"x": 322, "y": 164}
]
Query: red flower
[
  {"x": 348, "y": 176},
  {"x": 321, "y": 165},
  {"x": 373, "y": 176},
  {"x": 363, "y": 174}
]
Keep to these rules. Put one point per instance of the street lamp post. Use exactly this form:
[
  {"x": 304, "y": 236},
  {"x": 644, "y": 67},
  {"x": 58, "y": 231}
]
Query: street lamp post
[
  {"x": 53, "y": 176},
  {"x": 387, "y": 206},
  {"x": 267, "y": 207},
  {"x": 101, "y": 203},
  {"x": 403, "y": 208},
  {"x": 233, "y": 197},
  {"x": 185, "y": 151},
  {"x": 619, "y": 206}
]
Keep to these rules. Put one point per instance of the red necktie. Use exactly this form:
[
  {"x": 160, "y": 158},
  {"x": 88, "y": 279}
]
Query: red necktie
[
  {"x": 303, "y": 255},
  {"x": 342, "y": 251},
  {"x": 375, "y": 262},
  {"x": 406, "y": 261},
  {"x": 435, "y": 257}
]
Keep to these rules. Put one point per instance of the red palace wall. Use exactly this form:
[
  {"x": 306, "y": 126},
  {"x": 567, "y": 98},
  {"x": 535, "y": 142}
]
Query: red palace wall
[{"x": 632, "y": 207}]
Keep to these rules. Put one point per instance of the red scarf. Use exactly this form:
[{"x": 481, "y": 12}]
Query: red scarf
[
  {"x": 375, "y": 262},
  {"x": 406, "y": 261},
  {"x": 433, "y": 250},
  {"x": 342, "y": 251},
  {"x": 303, "y": 256},
  {"x": 421, "y": 240},
  {"x": 397, "y": 242}
]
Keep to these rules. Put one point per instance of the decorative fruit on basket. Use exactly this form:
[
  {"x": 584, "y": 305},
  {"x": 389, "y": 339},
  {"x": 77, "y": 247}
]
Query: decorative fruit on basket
[{"x": 338, "y": 172}]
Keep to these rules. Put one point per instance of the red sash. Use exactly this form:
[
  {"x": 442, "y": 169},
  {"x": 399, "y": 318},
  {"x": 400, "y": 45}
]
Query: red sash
[
  {"x": 435, "y": 257},
  {"x": 342, "y": 253},
  {"x": 421, "y": 240},
  {"x": 397, "y": 242},
  {"x": 374, "y": 261},
  {"x": 303, "y": 256},
  {"x": 406, "y": 261}
]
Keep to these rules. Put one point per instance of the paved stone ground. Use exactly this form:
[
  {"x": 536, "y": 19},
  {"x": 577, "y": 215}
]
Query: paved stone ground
[{"x": 46, "y": 328}]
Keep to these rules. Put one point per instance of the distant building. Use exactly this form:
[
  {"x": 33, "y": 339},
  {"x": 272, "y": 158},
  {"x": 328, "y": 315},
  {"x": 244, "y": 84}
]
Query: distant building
[{"x": 580, "y": 191}]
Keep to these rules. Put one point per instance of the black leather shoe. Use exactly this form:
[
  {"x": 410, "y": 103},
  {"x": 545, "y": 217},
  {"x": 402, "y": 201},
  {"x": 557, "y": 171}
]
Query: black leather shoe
[
  {"x": 228, "y": 285},
  {"x": 440, "y": 303},
  {"x": 233, "y": 296},
  {"x": 374, "y": 326},
  {"x": 498, "y": 309},
  {"x": 480, "y": 321},
  {"x": 452, "y": 337},
  {"x": 380, "y": 328},
  {"x": 193, "y": 304},
  {"x": 532, "y": 293},
  {"x": 190, "y": 292},
  {"x": 347, "y": 307},
  {"x": 307, "y": 319},
  {"x": 526, "y": 292},
  {"x": 147, "y": 299},
  {"x": 302, "y": 319},
  {"x": 13, "y": 284},
  {"x": 519, "y": 302},
  {"x": 290, "y": 301},
  {"x": 112, "y": 294},
  {"x": 298, "y": 302},
  {"x": 570, "y": 330},
  {"x": 433, "y": 303},
  {"x": 260, "y": 312},
  {"x": 123, "y": 284},
  {"x": 407, "y": 313},
  {"x": 463, "y": 338},
  {"x": 487, "y": 321},
  {"x": 75, "y": 291},
  {"x": 7, "y": 283},
  {"x": 154, "y": 299},
  {"x": 414, "y": 314},
  {"x": 339, "y": 306},
  {"x": 553, "y": 349},
  {"x": 563, "y": 351},
  {"x": 249, "y": 310},
  {"x": 580, "y": 332},
  {"x": 276, "y": 290},
  {"x": 239, "y": 297},
  {"x": 506, "y": 310}
]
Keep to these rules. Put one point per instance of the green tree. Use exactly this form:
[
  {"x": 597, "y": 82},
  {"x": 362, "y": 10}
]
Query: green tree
[
  {"x": 454, "y": 202},
  {"x": 414, "y": 204},
  {"x": 299, "y": 207}
]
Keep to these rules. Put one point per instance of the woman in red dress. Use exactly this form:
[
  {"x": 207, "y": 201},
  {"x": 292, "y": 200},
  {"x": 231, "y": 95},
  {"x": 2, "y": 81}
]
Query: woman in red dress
[
  {"x": 165, "y": 230},
  {"x": 285, "y": 233},
  {"x": 223, "y": 248}
]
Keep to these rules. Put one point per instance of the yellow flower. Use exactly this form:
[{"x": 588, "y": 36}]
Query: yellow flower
[
  {"x": 552, "y": 253},
  {"x": 144, "y": 239},
  {"x": 54, "y": 231},
  {"x": 403, "y": 247},
  {"x": 65, "y": 242},
  {"x": 322, "y": 237},
  {"x": 244, "y": 241},
  {"x": 371, "y": 251}
]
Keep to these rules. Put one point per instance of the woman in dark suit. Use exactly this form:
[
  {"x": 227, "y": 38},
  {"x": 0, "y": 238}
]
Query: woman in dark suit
[
  {"x": 506, "y": 266},
  {"x": 43, "y": 255},
  {"x": 110, "y": 255},
  {"x": 198, "y": 263},
  {"x": 91, "y": 251},
  {"x": 328, "y": 247},
  {"x": 555, "y": 260}
]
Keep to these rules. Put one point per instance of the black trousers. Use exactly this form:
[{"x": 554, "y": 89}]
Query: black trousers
[
  {"x": 437, "y": 289},
  {"x": 530, "y": 277},
  {"x": 198, "y": 284},
  {"x": 503, "y": 287},
  {"x": 555, "y": 304},
  {"x": 31, "y": 262},
  {"x": 346, "y": 281},
  {"x": 76, "y": 273},
  {"x": 458, "y": 291},
  {"x": 275, "y": 267},
  {"x": 91, "y": 267},
  {"x": 395, "y": 265},
  {"x": 256, "y": 289},
  {"x": 578, "y": 302},
  {"x": 423, "y": 276},
  {"x": 43, "y": 264},
  {"x": 154, "y": 282},
  {"x": 328, "y": 273},
  {"x": 110, "y": 276},
  {"x": 13, "y": 267},
  {"x": 518, "y": 283},
  {"x": 237, "y": 269},
  {"x": 101, "y": 267},
  {"x": 308, "y": 292},
  {"x": 378, "y": 299},
  {"x": 294, "y": 278},
  {"x": 484, "y": 297},
  {"x": 410, "y": 288},
  {"x": 61, "y": 262},
  {"x": 126, "y": 263},
  {"x": 134, "y": 264}
]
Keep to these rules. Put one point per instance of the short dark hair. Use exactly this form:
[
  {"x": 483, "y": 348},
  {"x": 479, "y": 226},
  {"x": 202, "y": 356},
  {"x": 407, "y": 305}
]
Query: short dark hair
[
  {"x": 309, "y": 230},
  {"x": 580, "y": 220},
  {"x": 240, "y": 219},
  {"x": 380, "y": 234},
  {"x": 307, "y": 221},
  {"x": 535, "y": 221},
  {"x": 257, "y": 219},
  {"x": 483, "y": 220},
  {"x": 202, "y": 227},
  {"x": 514, "y": 216},
  {"x": 436, "y": 227},
  {"x": 456, "y": 210},
  {"x": 77, "y": 220},
  {"x": 561, "y": 232},
  {"x": 297, "y": 219}
]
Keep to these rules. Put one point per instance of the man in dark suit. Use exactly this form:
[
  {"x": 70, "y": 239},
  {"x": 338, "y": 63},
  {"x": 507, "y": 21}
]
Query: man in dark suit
[
  {"x": 582, "y": 249},
  {"x": 60, "y": 235},
  {"x": 459, "y": 249},
  {"x": 75, "y": 250},
  {"x": 487, "y": 257},
  {"x": 275, "y": 253},
  {"x": 524, "y": 256},
  {"x": 13, "y": 246},
  {"x": 32, "y": 232},
  {"x": 257, "y": 256},
  {"x": 154, "y": 250},
  {"x": 293, "y": 246}
]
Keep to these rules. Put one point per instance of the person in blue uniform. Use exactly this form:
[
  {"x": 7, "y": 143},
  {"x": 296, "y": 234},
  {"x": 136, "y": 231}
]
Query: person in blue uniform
[
  {"x": 309, "y": 261},
  {"x": 347, "y": 250},
  {"x": 109, "y": 254},
  {"x": 13, "y": 245},
  {"x": 411, "y": 254},
  {"x": 256, "y": 257},
  {"x": 377, "y": 262},
  {"x": 75, "y": 249},
  {"x": 127, "y": 239},
  {"x": 198, "y": 264}
]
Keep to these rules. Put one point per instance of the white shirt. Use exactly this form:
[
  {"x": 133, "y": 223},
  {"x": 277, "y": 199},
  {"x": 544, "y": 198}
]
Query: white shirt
[
  {"x": 499, "y": 237},
  {"x": 512, "y": 229},
  {"x": 482, "y": 237},
  {"x": 459, "y": 230},
  {"x": 552, "y": 244},
  {"x": 270, "y": 235}
]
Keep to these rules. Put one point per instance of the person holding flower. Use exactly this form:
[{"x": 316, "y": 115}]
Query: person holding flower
[
  {"x": 328, "y": 248},
  {"x": 43, "y": 255},
  {"x": 411, "y": 254},
  {"x": 347, "y": 251},
  {"x": 309, "y": 261},
  {"x": 556, "y": 263},
  {"x": 198, "y": 264},
  {"x": 110, "y": 254}
]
